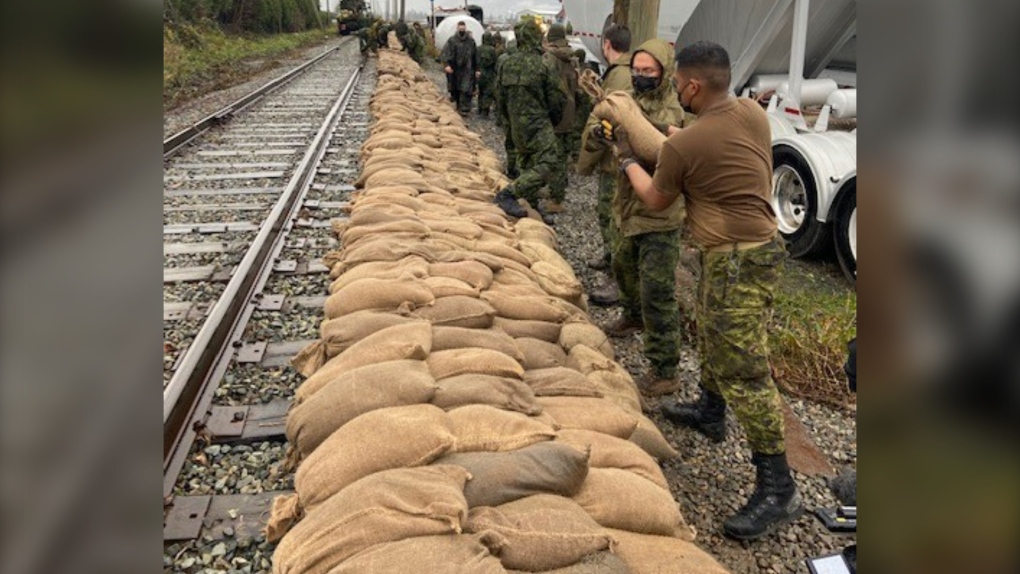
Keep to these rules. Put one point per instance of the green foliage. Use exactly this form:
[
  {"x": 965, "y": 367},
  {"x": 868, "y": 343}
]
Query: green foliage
[
  {"x": 259, "y": 16},
  {"x": 353, "y": 5}
]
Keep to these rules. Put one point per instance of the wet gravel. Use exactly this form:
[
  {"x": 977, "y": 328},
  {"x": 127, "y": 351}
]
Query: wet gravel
[{"x": 710, "y": 481}]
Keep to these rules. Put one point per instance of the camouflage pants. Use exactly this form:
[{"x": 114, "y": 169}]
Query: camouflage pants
[
  {"x": 645, "y": 268},
  {"x": 536, "y": 162},
  {"x": 558, "y": 183},
  {"x": 511, "y": 153},
  {"x": 486, "y": 96},
  {"x": 604, "y": 211},
  {"x": 734, "y": 299}
]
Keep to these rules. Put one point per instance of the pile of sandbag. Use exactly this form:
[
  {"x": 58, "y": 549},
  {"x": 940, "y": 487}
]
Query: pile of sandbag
[{"x": 461, "y": 414}]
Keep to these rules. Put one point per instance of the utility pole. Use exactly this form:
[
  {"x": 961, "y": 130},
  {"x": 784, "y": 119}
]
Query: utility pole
[
  {"x": 643, "y": 20},
  {"x": 621, "y": 11},
  {"x": 403, "y": 6}
]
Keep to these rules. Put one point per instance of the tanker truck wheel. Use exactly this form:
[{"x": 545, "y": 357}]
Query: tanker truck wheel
[
  {"x": 845, "y": 231},
  {"x": 795, "y": 201}
]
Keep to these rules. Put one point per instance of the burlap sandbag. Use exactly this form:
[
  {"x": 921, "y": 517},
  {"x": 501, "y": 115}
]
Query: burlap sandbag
[
  {"x": 541, "y": 532},
  {"x": 619, "y": 388},
  {"x": 384, "y": 507},
  {"x": 378, "y": 294},
  {"x": 405, "y": 228},
  {"x": 407, "y": 341},
  {"x": 486, "y": 217},
  {"x": 412, "y": 267},
  {"x": 450, "y": 287},
  {"x": 536, "y": 252},
  {"x": 603, "y": 562},
  {"x": 415, "y": 435},
  {"x": 539, "y": 354},
  {"x": 557, "y": 283},
  {"x": 397, "y": 176},
  {"x": 374, "y": 214},
  {"x": 650, "y": 439},
  {"x": 315, "y": 419},
  {"x": 587, "y": 360},
  {"x": 530, "y": 230},
  {"x": 495, "y": 264},
  {"x": 458, "y": 311},
  {"x": 560, "y": 382},
  {"x": 374, "y": 374},
  {"x": 336, "y": 335},
  {"x": 612, "y": 452},
  {"x": 458, "y": 227},
  {"x": 647, "y": 554},
  {"x": 501, "y": 477},
  {"x": 620, "y": 499},
  {"x": 481, "y": 428},
  {"x": 589, "y": 413},
  {"x": 514, "y": 281},
  {"x": 474, "y": 389},
  {"x": 473, "y": 273},
  {"x": 453, "y": 362},
  {"x": 574, "y": 334},
  {"x": 524, "y": 308},
  {"x": 445, "y": 338},
  {"x": 621, "y": 110},
  {"x": 442, "y": 554},
  {"x": 517, "y": 328}
]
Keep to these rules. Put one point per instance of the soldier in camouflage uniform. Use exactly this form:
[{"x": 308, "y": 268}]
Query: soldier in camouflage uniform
[
  {"x": 487, "y": 81},
  {"x": 460, "y": 54},
  {"x": 647, "y": 247},
  {"x": 382, "y": 35},
  {"x": 529, "y": 100},
  {"x": 560, "y": 59},
  {"x": 594, "y": 155},
  {"x": 584, "y": 107},
  {"x": 508, "y": 140},
  {"x": 722, "y": 166}
]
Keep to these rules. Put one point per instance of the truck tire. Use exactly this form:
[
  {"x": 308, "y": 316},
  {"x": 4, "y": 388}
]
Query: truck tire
[
  {"x": 845, "y": 230},
  {"x": 795, "y": 201}
]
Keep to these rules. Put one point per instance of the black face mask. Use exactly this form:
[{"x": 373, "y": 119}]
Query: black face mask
[
  {"x": 644, "y": 84},
  {"x": 462, "y": 33}
]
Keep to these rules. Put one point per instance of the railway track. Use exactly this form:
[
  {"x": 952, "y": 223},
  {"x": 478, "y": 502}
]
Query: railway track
[{"x": 247, "y": 210}]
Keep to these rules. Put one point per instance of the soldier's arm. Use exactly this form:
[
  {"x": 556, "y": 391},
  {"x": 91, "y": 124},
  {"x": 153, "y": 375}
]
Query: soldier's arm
[{"x": 554, "y": 96}]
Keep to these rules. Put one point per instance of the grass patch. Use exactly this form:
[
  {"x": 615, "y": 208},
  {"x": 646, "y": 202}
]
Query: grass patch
[
  {"x": 201, "y": 58},
  {"x": 814, "y": 316}
]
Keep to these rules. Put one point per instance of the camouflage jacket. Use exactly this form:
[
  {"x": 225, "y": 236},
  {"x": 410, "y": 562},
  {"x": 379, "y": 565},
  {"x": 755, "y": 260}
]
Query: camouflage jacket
[
  {"x": 528, "y": 94},
  {"x": 461, "y": 54},
  {"x": 560, "y": 59}
]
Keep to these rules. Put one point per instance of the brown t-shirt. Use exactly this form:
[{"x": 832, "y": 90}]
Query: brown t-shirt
[{"x": 722, "y": 164}]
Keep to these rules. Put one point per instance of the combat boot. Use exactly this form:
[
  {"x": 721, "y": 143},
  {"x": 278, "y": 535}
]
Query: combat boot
[
  {"x": 508, "y": 203},
  {"x": 607, "y": 294},
  {"x": 773, "y": 503},
  {"x": 655, "y": 385},
  {"x": 707, "y": 415},
  {"x": 624, "y": 327}
]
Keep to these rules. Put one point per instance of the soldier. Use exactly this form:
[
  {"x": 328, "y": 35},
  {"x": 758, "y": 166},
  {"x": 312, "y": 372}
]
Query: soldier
[
  {"x": 413, "y": 43},
  {"x": 529, "y": 100},
  {"x": 487, "y": 81},
  {"x": 560, "y": 59},
  {"x": 363, "y": 40},
  {"x": 383, "y": 34},
  {"x": 461, "y": 58},
  {"x": 584, "y": 107},
  {"x": 646, "y": 248},
  {"x": 616, "y": 51},
  {"x": 508, "y": 140},
  {"x": 499, "y": 43},
  {"x": 722, "y": 166}
]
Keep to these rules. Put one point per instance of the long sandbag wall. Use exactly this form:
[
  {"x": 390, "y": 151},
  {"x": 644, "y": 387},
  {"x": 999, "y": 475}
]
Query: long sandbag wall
[{"x": 461, "y": 413}]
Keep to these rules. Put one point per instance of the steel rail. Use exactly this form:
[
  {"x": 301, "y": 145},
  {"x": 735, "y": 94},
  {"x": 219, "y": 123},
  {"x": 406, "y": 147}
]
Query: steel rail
[
  {"x": 176, "y": 142},
  {"x": 188, "y": 395}
]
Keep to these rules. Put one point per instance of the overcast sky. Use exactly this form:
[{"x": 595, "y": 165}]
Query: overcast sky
[{"x": 499, "y": 6}]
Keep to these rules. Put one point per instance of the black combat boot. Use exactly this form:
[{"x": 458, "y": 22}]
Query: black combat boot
[
  {"x": 547, "y": 218},
  {"x": 508, "y": 203},
  {"x": 707, "y": 415},
  {"x": 773, "y": 503}
]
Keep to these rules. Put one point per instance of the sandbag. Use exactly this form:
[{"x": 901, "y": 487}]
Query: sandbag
[
  {"x": 458, "y": 311},
  {"x": 517, "y": 328},
  {"x": 602, "y": 562},
  {"x": 444, "y": 338},
  {"x": 646, "y": 554},
  {"x": 573, "y": 334},
  {"x": 539, "y": 354},
  {"x": 541, "y": 532},
  {"x": 588, "y": 360},
  {"x": 450, "y": 287},
  {"x": 396, "y": 437},
  {"x": 650, "y": 439},
  {"x": 473, "y": 273},
  {"x": 620, "y": 109},
  {"x": 620, "y": 499},
  {"x": 588, "y": 413},
  {"x": 383, "y": 249},
  {"x": 453, "y": 362},
  {"x": 384, "y": 507},
  {"x": 501, "y": 477},
  {"x": 312, "y": 421},
  {"x": 618, "y": 387},
  {"x": 557, "y": 283},
  {"x": 559, "y": 382},
  {"x": 378, "y": 294},
  {"x": 474, "y": 389},
  {"x": 336, "y": 335},
  {"x": 488, "y": 429},
  {"x": 612, "y": 452},
  {"x": 442, "y": 554},
  {"x": 412, "y": 267},
  {"x": 399, "y": 342},
  {"x": 524, "y": 308}
]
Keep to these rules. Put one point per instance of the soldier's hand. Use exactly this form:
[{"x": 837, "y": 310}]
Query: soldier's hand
[
  {"x": 603, "y": 131},
  {"x": 621, "y": 145},
  {"x": 448, "y": 70}
]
